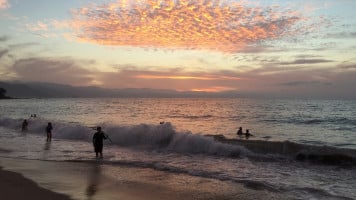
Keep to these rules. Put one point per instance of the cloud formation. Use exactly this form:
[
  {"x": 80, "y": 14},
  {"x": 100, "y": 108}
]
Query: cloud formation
[
  {"x": 277, "y": 81},
  {"x": 305, "y": 83},
  {"x": 54, "y": 70},
  {"x": 186, "y": 24},
  {"x": 3, "y": 52},
  {"x": 4, "y": 4},
  {"x": 176, "y": 79},
  {"x": 305, "y": 61},
  {"x": 4, "y": 38}
]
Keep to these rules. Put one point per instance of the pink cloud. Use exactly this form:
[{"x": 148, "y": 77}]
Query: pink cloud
[
  {"x": 4, "y": 4},
  {"x": 212, "y": 25},
  {"x": 39, "y": 26}
]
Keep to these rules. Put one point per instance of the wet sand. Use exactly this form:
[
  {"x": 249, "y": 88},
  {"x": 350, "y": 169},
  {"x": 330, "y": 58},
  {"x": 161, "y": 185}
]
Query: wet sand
[
  {"x": 94, "y": 180},
  {"x": 16, "y": 187}
]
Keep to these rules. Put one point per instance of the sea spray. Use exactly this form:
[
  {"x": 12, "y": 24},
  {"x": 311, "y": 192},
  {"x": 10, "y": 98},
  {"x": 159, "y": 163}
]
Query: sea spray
[
  {"x": 165, "y": 136},
  {"x": 142, "y": 134}
]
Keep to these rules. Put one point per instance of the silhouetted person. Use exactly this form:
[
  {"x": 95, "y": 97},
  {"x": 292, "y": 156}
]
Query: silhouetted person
[
  {"x": 24, "y": 125},
  {"x": 49, "y": 131},
  {"x": 248, "y": 134},
  {"x": 98, "y": 138},
  {"x": 239, "y": 132}
]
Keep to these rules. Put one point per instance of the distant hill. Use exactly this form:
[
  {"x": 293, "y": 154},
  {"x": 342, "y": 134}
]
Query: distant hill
[
  {"x": 52, "y": 90},
  {"x": 3, "y": 94}
]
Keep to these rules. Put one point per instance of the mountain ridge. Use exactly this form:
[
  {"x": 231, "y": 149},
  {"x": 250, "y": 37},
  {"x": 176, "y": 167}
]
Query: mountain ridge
[{"x": 54, "y": 90}]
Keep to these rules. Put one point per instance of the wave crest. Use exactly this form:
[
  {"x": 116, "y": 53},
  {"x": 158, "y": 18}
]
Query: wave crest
[
  {"x": 161, "y": 136},
  {"x": 301, "y": 152}
]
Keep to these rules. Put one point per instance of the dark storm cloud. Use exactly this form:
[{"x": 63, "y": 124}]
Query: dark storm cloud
[{"x": 54, "y": 70}]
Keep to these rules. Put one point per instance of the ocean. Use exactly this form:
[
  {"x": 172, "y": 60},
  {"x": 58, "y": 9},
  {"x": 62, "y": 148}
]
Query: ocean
[{"x": 301, "y": 149}]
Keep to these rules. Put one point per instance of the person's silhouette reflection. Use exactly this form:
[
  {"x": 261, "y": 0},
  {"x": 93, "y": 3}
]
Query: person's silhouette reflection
[
  {"x": 94, "y": 181},
  {"x": 46, "y": 150},
  {"x": 47, "y": 146}
]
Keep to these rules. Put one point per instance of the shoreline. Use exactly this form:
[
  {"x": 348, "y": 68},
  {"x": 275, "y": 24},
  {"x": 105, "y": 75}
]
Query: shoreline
[
  {"x": 15, "y": 186},
  {"x": 96, "y": 180}
]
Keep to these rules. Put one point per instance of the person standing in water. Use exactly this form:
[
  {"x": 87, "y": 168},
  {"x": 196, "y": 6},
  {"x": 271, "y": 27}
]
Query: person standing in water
[
  {"x": 239, "y": 132},
  {"x": 24, "y": 125},
  {"x": 98, "y": 138},
  {"x": 49, "y": 131}
]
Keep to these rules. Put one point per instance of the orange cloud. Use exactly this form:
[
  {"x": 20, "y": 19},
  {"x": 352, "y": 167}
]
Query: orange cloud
[
  {"x": 187, "y": 77},
  {"x": 4, "y": 4},
  {"x": 39, "y": 26},
  {"x": 184, "y": 24},
  {"x": 213, "y": 89}
]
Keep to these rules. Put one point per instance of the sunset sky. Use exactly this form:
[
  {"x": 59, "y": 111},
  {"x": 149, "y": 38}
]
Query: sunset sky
[{"x": 267, "y": 47}]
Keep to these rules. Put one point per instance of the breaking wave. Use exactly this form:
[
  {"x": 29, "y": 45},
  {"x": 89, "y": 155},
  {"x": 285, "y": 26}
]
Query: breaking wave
[
  {"x": 320, "y": 154},
  {"x": 164, "y": 136}
]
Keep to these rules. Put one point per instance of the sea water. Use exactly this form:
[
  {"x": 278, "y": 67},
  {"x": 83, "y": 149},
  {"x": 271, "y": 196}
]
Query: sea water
[{"x": 304, "y": 149}]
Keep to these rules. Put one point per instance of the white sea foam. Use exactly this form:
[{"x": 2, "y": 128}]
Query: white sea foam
[
  {"x": 164, "y": 136},
  {"x": 143, "y": 135}
]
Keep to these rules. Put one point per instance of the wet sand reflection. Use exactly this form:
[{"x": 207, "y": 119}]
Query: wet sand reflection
[{"x": 94, "y": 181}]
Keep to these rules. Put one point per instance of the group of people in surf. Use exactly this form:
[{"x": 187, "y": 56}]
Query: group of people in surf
[
  {"x": 247, "y": 133},
  {"x": 98, "y": 137}
]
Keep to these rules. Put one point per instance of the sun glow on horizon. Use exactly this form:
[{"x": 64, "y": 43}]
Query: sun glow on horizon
[
  {"x": 187, "y": 77},
  {"x": 212, "y": 89}
]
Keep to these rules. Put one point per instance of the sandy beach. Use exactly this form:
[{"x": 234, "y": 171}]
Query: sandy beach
[
  {"x": 15, "y": 187},
  {"x": 75, "y": 180}
]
